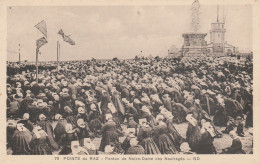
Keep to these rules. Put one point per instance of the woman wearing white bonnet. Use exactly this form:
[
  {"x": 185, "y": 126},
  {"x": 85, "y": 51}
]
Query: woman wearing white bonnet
[
  {"x": 109, "y": 133},
  {"x": 95, "y": 120},
  {"x": 77, "y": 149},
  {"x": 135, "y": 148},
  {"x": 90, "y": 146},
  {"x": 59, "y": 129},
  {"x": 185, "y": 148},
  {"x": 66, "y": 139},
  {"x": 27, "y": 123},
  {"x": 109, "y": 150},
  {"x": 21, "y": 140},
  {"x": 41, "y": 144}
]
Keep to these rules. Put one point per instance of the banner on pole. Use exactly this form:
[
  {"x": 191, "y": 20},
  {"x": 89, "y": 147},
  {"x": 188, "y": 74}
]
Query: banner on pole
[
  {"x": 42, "y": 27},
  {"x": 40, "y": 42},
  {"x": 66, "y": 38}
]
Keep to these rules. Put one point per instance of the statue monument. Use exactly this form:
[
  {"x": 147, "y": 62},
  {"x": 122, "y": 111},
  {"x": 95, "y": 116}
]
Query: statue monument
[{"x": 194, "y": 43}]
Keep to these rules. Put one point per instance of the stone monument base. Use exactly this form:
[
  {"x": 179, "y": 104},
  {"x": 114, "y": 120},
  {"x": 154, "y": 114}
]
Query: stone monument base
[{"x": 194, "y": 45}]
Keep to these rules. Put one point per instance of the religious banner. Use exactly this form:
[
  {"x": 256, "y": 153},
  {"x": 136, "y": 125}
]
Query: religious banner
[
  {"x": 42, "y": 27},
  {"x": 40, "y": 42},
  {"x": 66, "y": 38}
]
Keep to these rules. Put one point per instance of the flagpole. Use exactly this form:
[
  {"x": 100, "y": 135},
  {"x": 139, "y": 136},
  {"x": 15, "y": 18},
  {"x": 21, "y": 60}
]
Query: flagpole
[
  {"x": 59, "y": 52},
  {"x": 57, "y": 56},
  {"x": 37, "y": 66},
  {"x": 19, "y": 54}
]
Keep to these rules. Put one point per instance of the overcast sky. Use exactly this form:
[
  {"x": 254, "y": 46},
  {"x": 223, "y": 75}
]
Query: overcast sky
[{"x": 105, "y": 32}]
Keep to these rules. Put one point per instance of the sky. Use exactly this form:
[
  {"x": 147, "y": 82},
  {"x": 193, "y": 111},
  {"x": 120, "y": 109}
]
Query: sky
[{"x": 104, "y": 32}]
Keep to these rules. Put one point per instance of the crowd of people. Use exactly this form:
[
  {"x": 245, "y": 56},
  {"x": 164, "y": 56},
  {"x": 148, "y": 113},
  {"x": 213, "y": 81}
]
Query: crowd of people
[{"x": 91, "y": 99}]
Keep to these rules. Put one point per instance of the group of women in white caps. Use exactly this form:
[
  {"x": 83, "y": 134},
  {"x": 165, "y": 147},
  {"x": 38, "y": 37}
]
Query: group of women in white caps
[{"x": 129, "y": 106}]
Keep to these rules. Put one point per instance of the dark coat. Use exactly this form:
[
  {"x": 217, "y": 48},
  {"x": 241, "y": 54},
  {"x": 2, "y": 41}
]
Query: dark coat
[
  {"x": 236, "y": 147},
  {"x": 206, "y": 144}
]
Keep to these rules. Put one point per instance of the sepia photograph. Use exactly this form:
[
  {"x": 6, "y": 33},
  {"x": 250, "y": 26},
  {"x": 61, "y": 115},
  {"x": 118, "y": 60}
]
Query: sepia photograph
[{"x": 129, "y": 79}]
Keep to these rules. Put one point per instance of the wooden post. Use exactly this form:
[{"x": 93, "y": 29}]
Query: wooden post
[
  {"x": 19, "y": 55},
  {"x": 37, "y": 65},
  {"x": 57, "y": 56}
]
